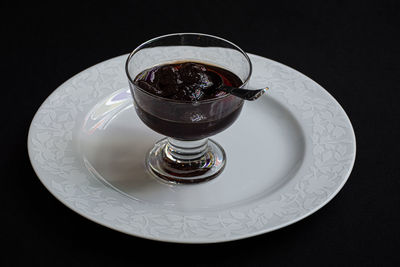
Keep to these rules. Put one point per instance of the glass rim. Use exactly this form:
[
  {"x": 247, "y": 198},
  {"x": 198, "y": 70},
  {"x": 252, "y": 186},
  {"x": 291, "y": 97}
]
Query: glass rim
[{"x": 137, "y": 49}]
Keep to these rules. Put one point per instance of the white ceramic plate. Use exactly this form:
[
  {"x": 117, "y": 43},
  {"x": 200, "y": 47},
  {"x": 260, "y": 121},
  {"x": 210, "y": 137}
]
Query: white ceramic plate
[{"x": 289, "y": 153}]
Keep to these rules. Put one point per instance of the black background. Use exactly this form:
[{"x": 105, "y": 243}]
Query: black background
[{"x": 351, "y": 49}]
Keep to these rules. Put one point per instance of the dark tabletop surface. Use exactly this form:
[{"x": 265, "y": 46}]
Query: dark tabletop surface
[{"x": 351, "y": 49}]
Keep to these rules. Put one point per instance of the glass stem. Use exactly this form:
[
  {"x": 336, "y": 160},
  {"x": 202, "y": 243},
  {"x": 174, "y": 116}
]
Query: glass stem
[{"x": 185, "y": 150}]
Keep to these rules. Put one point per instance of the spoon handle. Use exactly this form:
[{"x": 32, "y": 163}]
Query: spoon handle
[{"x": 244, "y": 93}]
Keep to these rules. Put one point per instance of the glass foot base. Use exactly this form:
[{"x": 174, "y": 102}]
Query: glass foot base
[{"x": 186, "y": 162}]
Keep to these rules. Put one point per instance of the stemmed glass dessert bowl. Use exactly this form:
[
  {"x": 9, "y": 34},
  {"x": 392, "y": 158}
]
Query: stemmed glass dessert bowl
[{"x": 175, "y": 96}]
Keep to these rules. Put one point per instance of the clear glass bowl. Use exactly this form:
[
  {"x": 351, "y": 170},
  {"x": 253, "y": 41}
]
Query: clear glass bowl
[{"x": 186, "y": 155}]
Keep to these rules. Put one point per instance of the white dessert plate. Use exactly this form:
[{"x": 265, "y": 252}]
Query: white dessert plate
[{"x": 288, "y": 154}]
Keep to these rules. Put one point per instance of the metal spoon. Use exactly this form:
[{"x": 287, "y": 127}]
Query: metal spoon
[{"x": 245, "y": 94}]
